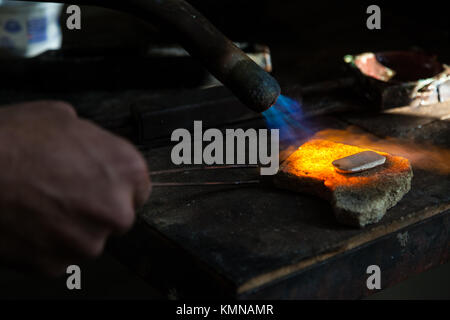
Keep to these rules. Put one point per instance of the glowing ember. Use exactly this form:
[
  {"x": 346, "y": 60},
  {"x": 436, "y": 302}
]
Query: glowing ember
[
  {"x": 358, "y": 198},
  {"x": 424, "y": 156},
  {"x": 314, "y": 160}
]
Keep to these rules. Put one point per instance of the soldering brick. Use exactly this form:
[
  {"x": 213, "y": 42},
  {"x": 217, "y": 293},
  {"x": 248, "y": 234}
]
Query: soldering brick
[{"x": 358, "y": 198}]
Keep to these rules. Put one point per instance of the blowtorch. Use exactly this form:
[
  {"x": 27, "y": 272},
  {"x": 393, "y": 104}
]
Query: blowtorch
[{"x": 252, "y": 85}]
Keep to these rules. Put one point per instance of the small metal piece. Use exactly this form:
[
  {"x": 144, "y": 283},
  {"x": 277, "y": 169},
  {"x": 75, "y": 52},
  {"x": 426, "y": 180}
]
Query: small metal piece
[
  {"x": 359, "y": 162},
  {"x": 444, "y": 91}
]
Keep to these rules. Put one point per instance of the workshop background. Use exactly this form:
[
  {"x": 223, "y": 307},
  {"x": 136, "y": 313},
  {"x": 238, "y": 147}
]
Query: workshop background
[{"x": 307, "y": 40}]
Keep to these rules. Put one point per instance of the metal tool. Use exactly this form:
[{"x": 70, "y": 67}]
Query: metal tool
[
  {"x": 206, "y": 183},
  {"x": 400, "y": 78},
  {"x": 252, "y": 85}
]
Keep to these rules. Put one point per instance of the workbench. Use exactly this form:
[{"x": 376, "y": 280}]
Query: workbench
[
  {"x": 251, "y": 242},
  {"x": 258, "y": 242},
  {"x": 248, "y": 242},
  {"x": 255, "y": 241}
]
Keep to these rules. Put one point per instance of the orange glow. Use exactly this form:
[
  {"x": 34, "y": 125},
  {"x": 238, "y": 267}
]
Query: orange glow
[
  {"x": 313, "y": 162},
  {"x": 424, "y": 156}
]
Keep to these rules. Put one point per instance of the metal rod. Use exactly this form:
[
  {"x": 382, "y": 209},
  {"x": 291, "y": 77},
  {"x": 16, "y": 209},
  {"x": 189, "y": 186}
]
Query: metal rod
[
  {"x": 159, "y": 172},
  {"x": 250, "y": 83},
  {"x": 202, "y": 184}
]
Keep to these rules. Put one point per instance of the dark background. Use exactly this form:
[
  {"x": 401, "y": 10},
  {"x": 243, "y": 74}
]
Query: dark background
[{"x": 308, "y": 40}]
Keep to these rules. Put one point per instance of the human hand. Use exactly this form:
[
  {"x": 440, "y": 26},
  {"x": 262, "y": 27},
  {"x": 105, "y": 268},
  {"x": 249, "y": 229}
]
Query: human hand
[{"x": 66, "y": 186}]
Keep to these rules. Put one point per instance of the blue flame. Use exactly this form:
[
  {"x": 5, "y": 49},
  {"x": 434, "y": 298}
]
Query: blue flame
[{"x": 285, "y": 115}]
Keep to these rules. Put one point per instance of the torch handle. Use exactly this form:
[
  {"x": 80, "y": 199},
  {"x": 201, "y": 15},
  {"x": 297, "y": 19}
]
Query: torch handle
[{"x": 252, "y": 85}]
